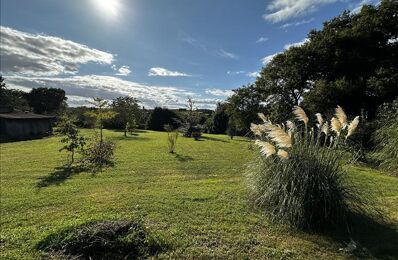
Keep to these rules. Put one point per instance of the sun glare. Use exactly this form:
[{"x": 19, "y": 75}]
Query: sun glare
[{"x": 108, "y": 7}]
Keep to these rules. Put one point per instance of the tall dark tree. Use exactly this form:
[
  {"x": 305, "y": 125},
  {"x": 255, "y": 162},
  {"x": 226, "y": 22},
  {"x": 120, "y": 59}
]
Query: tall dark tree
[
  {"x": 220, "y": 119},
  {"x": 127, "y": 110},
  {"x": 244, "y": 105},
  {"x": 46, "y": 100},
  {"x": 161, "y": 117}
]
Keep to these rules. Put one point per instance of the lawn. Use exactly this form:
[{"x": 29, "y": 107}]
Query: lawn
[{"x": 195, "y": 199}]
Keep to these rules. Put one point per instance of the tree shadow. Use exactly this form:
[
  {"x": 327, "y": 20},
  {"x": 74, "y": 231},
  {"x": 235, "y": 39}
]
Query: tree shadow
[
  {"x": 183, "y": 158},
  {"x": 374, "y": 238},
  {"x": 60, "y": 175},
  {"x": 214, "y": 139},
  {"x": 129, "y": 137}
]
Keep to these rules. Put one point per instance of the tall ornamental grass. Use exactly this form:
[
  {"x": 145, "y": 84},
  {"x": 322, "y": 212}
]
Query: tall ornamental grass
[{"x": 298, "y": 178}]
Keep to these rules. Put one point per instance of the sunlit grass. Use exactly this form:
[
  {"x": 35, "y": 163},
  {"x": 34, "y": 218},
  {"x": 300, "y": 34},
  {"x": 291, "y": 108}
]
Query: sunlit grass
[{"x": 196, "y": 198}]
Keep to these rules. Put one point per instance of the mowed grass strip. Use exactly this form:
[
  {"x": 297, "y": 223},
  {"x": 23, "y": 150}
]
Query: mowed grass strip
[{"x": 196, "y": 199}]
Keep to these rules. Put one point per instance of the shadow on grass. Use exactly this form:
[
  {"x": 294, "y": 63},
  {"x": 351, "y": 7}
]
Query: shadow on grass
[
  {"x": 135, "y": 137},
  {"x": 374, "y": 238},
  {"x": 183, "y": 158},
  {"x": 214, "y": 139},
  {"x": 60, "y": 175}
]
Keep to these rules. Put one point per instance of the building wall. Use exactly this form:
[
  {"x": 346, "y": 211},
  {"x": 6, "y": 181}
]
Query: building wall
[{"x": 23, "y": 129}]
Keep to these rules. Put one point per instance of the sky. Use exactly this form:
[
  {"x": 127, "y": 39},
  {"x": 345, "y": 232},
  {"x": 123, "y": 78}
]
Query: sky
[{"x": 159, "y": 51}]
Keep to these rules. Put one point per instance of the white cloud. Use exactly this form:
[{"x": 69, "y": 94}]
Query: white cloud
[
  {"x": 162, "y": 72},
  {"x": 228, "y": 55},
  {"x": 262, "y": 39},
  {"x": 235, "y": 72},
  {"x": 280, "y": 10},
  {"x": 43, "y": 55},
  {"x": 79, "y": 89},
  {"x": 219, "y": 92},
  {"x": 296, "y": 44},
  {"x": 268, "y": 58},
  {"x": 357, "y": 8},
  {"x": 286, "y": 25},
  {"x": 253, "y": 74},
  {"x": 124, "y": 71}
]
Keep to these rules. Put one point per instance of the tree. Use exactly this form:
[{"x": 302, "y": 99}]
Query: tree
[
  {"x": 351, "y": 62},
  {"x": 244, "y": 105},
  {"x": 160, "y": 117},
  {"x": 72, "y": 139},
  {"x": 100, "y": 113},
  {"x": 46, "y": 100},
  {"x": 219, "y": 119},
  {"x": 12, "y": 97},
  {"x": 128, "y": 111},
  {"x": 231, "y": 129}
]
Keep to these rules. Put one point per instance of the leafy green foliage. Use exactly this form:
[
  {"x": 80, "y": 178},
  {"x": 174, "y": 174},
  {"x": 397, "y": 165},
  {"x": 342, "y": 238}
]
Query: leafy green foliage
[
  {"x": 160, "y": 117},
  {"x": 104, "y": 240},
  {"x": 46, "y": 100},
  {"x": 352, "y": 62},
  {"x": 219, "y": 119},
  {"x": 244, "y": 105},
  {"x": 12, "y": 97},
  {"x": 100, "y": 113},
  {"x": 127, "y": 110},
  {"x": 72, "y": 139}
]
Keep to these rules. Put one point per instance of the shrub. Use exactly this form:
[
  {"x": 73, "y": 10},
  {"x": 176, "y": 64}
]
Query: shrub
[
  {"x": 104, "y": 240},
  {"x": 298, "y": 178},
  {"x": 98, "y": 155},
  {"x": 172, "y": 137}
]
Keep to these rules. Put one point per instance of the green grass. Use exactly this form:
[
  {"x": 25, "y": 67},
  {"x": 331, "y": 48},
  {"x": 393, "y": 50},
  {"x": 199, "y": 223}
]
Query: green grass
[{"x": 195, "y": 199}]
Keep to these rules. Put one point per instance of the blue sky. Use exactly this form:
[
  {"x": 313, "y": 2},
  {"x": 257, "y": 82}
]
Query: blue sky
[{"x": 160, "y": 51}]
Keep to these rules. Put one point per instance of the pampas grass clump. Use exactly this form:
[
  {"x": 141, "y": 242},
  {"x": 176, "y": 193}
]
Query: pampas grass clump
[{"x": 298, "y": 178}]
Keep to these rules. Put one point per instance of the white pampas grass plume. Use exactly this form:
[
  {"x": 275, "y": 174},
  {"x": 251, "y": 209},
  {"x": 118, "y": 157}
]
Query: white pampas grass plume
[
  {"x": 300, "y": 114},
  {"x": 267, "y": 149},
  {"x": 352, "y": 126},
  {"x": 256, "y": 129},
  {"x": 280, "y": 137},
  {"x": 263, "y": 117},
  {"x": 336, "y": 125},
  {"x": 291, "y": 128},
  {"x": 319, "y": 118},
  {"x": 325, "y": 128},
  {"x": 341, "y": 116},
  {"x": 283, "y": 154}
]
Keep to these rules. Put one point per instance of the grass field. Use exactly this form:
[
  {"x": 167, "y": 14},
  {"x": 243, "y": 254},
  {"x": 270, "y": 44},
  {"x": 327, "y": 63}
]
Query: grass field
[{"x": 195, "y": 199}]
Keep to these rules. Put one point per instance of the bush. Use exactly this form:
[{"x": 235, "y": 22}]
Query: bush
[
  {"x": 104, "y": 240},
  {"x": 299, "y": 179},
  {"x": 98, "y": 155}
]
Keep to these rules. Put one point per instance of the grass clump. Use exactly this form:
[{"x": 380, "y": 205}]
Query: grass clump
[
  {"x": 172, "y": 136},
  {"x": 299, "y": 178},
  {"x": 104, "y": 240},
  {"x": 386, "y": 138}
]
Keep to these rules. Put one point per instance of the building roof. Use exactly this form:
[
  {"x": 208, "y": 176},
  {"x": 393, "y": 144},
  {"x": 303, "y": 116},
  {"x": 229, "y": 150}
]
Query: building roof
[{"x": 24, "y": 115}]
